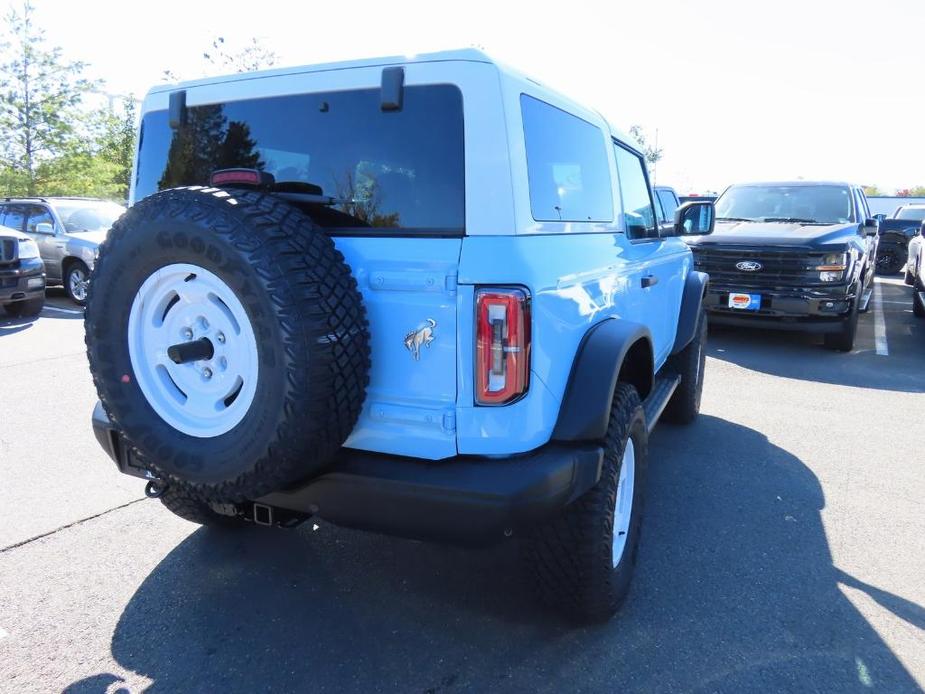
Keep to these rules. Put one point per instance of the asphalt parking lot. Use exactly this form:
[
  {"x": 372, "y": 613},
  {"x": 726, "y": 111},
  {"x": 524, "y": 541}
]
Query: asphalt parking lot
[{"x": 782, "y": 551}]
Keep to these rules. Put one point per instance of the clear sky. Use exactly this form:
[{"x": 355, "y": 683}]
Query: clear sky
[{"x": 738, "y": 90}]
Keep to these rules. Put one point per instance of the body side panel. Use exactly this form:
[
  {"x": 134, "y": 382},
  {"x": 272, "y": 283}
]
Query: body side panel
[{"x": 575, "y": 282}]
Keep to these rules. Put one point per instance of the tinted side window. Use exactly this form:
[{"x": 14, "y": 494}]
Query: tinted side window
[
  {"x": 567, "y": 167},
  {"x": 15, "y": 217},
  {"x": 637, "y": 205},
  {"x": 38, "y": 215},
  {"x": 669, "y": 204}
]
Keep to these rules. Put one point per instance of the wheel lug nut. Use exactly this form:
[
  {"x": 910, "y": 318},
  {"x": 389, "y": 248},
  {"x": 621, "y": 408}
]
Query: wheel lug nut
[
  {"x": 221, "y": 338},
  {"x": 188, "y": 333},
  {"x": 204, "y": 323},
  {"x": 207, "y": 372}
]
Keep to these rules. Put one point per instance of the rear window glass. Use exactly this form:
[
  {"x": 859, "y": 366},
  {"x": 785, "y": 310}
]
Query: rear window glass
[
  {"x": 399, "y": 170},
  {"x": 567, "y": 165}
]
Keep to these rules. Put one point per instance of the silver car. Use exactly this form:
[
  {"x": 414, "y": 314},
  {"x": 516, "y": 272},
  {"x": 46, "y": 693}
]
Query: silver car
[{"x": 68, "y": 232}]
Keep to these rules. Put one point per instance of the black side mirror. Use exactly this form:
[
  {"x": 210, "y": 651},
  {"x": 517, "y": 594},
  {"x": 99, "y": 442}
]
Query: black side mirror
[
  {"x": 880, "y": 217},
  {"x": 694, "y": 218},
  {"x": 872, "y": 226}
]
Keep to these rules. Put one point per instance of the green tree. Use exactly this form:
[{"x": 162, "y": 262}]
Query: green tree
[
  {"x": 872, "y": 191},
  {"x": 99, "y": 163},
  {"x": 40, "y": 100},
  {"x": 253, "y": 55},
  {"x": 222, "y": 57},
  {"x": 116, "y": 139},
  {"x": 653, "y": 154}
]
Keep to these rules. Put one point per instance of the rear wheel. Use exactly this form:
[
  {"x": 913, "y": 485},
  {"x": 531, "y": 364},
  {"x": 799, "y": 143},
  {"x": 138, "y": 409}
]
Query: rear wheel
[
  {"x": 583, "y": 560},
  {"x": 76, "y": 282},
  {"x": 27, "y": 308},
  {"x": 684, "y": 405}
]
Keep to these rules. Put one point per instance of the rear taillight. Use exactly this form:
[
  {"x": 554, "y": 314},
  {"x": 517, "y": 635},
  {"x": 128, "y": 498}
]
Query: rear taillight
[{"x": 502, "y": 347}]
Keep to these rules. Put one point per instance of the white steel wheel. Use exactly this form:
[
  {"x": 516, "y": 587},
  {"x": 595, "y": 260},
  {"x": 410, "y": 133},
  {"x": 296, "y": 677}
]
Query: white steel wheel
[
  {"x": 623, "y": 510},
  {"x": 193, "y": 350}
]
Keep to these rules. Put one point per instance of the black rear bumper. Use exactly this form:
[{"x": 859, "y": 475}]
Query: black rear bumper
[
  {"x": 15, "y": 280},
  {"x": 813, "y": 309},
  {"x": 467, "y": 499}
]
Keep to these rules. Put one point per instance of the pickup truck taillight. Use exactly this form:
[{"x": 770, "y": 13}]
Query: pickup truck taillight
[{"x": 502, "y": 350}]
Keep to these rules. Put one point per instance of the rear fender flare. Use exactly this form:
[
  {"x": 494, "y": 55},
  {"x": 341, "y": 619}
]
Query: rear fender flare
[
  {"x": 695, "y": 288},
  {"x": 611, "y": 351}
]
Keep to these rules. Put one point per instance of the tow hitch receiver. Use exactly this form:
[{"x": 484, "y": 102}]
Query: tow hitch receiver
[{"x": 263, "y": 514}]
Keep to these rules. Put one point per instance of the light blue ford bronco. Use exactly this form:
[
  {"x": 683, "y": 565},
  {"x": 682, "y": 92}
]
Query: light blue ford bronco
[{"x": 427, "y": 297}]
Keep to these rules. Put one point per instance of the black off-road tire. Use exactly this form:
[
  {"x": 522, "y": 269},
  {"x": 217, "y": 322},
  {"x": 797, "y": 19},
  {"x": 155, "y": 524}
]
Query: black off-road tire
[
  {"x": 890, "y": 259},
  {"x": 570, "y": 558},
  {"x": 689, "y": 363},
  {"x": 306, "y": 313},
  {"x": 918, "y": 305},
  {"x": 843, "y": 340},
  {"x": 27, "y": 308},
  {"x": 189, "y": 507}
]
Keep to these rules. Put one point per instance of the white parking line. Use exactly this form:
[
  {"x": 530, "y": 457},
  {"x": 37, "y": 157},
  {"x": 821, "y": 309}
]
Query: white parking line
[
  {"x": 879, "y": 322},
  {"x": 72, "y": 311}
]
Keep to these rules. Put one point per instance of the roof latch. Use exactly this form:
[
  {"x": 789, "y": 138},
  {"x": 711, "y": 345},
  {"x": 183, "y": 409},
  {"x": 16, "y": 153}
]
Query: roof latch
[
  {"x": 393, "y": 87},
  {"x": 177, "y": 109}
]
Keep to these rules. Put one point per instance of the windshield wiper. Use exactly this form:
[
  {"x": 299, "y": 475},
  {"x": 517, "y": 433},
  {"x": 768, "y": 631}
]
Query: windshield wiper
[
  {"x": 790, "y": 220},
  {"x": 733, "y": 219}
]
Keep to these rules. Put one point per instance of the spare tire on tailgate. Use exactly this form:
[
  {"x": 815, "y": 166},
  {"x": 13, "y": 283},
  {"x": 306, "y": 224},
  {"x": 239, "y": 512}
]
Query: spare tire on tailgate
[{"x": 227, "y": 340}]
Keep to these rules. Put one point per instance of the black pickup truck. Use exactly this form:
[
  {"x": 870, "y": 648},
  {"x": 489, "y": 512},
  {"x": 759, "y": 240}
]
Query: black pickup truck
[
  {"x": 794, "y": 256},
  {"x": 896, "y": 231}
]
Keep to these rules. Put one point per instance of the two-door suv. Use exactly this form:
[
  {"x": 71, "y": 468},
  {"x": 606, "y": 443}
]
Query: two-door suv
[
  {"x": 796, "y": 255},
  {"x": 427, "y": 297}
]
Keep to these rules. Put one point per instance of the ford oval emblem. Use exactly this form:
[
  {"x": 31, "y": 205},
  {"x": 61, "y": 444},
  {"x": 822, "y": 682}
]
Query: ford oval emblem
[{"x": 749, "y": 266}]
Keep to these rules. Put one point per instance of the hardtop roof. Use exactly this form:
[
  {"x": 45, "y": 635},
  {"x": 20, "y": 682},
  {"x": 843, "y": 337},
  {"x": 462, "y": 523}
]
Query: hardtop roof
[{"x": 459, "y": 55}]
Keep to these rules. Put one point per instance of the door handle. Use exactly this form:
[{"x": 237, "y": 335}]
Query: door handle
[{"x": 649, "y": 281}]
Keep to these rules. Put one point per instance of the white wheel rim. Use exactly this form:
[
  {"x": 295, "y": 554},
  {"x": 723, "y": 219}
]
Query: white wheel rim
[
  {"x": 181, "y": 303},
  {"x": 624, "y": 506}
]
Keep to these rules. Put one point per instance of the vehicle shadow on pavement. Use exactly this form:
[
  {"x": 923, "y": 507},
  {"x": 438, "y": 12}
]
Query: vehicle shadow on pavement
[
  {"x": 801, "y": 356},
  {"x": 735, "y": 591},
  {"x": 11, "y": 326}
]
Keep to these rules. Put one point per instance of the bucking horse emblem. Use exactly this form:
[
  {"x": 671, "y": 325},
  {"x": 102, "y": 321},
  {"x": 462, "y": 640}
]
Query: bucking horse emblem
[{"x": 420, "y": 337}]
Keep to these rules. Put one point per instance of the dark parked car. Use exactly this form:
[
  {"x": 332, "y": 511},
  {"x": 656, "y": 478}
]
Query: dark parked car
[
  {"x": 795, "y": 256},
  {"x": 896, "y": 232},
  {"x": 22, "y": 274}
]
